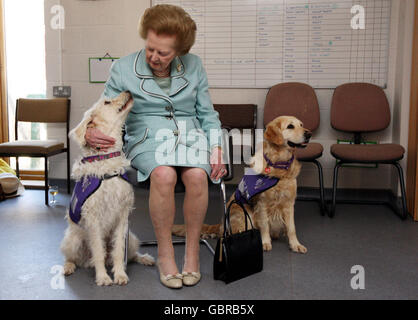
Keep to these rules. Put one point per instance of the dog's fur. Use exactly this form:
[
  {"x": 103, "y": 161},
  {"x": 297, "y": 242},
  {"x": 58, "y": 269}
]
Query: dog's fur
[
  {"x": 272, "y": 211},
  {"x": 99, "y": 236}
]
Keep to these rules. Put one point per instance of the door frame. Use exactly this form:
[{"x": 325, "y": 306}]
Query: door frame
[
  {"x": 412, "y": 161},
  {"x": 4, "y": 126}
]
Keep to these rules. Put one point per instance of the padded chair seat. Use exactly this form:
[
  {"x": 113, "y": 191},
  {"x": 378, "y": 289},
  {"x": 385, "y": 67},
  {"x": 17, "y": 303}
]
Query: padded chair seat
[
  {"x": 312, "y": 151},
  {"x": 31, "y": 146},
  {"x": 362, "y": 153}
]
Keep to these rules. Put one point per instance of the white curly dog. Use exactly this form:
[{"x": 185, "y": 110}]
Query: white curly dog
[{"x": 97, "y": 235}]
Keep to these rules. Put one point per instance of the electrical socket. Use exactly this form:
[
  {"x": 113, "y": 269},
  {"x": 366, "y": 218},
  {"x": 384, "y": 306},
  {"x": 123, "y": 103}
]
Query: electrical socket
[{"x": 61, "y": 91}]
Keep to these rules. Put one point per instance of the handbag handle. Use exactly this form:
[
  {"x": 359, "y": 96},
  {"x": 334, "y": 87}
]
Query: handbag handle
[{"x": 227, "y": 222}]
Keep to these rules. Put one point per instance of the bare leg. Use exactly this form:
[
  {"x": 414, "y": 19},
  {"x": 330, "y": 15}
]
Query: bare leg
[
  {"x": 162, "y": 211},
  {"x": 195, "y": 207}
]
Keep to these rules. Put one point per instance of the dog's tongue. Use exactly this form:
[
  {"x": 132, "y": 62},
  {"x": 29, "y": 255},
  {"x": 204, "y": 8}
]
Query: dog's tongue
[{"x": 128, "y": 102}]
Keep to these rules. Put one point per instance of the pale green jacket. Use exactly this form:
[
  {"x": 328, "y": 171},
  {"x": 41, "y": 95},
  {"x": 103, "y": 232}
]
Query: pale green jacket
[{"x": 188, "y": 103}]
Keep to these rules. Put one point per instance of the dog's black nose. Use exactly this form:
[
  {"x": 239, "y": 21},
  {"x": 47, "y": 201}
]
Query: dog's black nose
[{"x": 307, "y": 135}]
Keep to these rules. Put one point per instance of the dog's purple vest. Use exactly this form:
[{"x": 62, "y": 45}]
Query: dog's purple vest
[
  {"x": 251, "y": 185},
  {"x": 82, "y": 191}
]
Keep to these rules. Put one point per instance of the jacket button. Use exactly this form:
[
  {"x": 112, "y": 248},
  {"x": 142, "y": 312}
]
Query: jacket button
[
  {"x": 176, "y": 132},
  {"x": 169, "y": 108}
]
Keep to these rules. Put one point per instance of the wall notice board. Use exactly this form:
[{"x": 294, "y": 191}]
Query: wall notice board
[
  {"x": 99, "y": 68},
  {"x": 259, "y": 43}
]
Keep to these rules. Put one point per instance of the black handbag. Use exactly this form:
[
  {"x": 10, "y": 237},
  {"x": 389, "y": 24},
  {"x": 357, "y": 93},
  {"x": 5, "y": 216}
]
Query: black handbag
[{"x": 238, "y": 255}]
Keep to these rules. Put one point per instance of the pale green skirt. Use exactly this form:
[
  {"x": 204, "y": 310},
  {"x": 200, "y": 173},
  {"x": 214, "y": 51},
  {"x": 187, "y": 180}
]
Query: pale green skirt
[{"x": 147, "y": 161}]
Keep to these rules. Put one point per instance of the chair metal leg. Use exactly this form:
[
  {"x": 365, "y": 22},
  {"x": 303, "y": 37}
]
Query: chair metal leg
[
  {"x": 68, "y": 173},
  {"x": 253, "y": 143},
  {"x": 331, "y": 212},
  {"x": 404, "y": 213},
  {"x": 17, "y": 167},
  {"x": 223, "y": 195},
  {"x": 321, "y": 188},
  {"x": 46, "y": 182},
  {"x": 207, "y": 244},
  {"x": 149, "y": 243},
  {"x": 126, "y": 246}
]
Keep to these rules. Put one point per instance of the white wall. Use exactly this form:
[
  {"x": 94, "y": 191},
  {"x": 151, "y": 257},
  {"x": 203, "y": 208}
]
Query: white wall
[
  {"x": 96, "y": 27},
  {"x": 92, "y": 28},
  {"x": 402, "y": 81}
]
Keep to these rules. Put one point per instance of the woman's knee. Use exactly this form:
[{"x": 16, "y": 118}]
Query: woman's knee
[
  {"x": 164, "y": 176},
  {"x": 195, "y": 180}
]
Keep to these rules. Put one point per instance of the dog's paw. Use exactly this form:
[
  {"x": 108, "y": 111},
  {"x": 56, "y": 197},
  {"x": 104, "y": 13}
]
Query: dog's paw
[
  {"x": 267, "y": 246},
  {"x": 121, "y": 279},
  {"x": 69, "y": 268},
  {"x": 145, "y": 259},
  {"x": 104, "y": 280},
  {"x": 299, "y": 248}
]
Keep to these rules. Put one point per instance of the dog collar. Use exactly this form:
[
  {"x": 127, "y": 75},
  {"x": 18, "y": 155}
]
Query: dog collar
[
  {"x": 279, "y": 164},
  {"x": 101, "y": 157}
]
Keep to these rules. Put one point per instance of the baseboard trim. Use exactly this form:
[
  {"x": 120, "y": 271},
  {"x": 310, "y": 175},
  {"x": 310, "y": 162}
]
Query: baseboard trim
[
  {"x": 348, "y": 194},
  {"x": 344, "y": 195},
  {"x": 308, "y": 193}
]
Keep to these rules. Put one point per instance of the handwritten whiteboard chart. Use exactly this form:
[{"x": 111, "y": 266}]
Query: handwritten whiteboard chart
[{"x": 259, "y": 43}]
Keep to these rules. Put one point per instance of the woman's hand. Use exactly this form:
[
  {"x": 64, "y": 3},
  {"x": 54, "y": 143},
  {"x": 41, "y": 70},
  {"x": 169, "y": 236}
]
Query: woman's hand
[
  {"x": 97, "y": 140},
  {"x": 218, "y": 168}
]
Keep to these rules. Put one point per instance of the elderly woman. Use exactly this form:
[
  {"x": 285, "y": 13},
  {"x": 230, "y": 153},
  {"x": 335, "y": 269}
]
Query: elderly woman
[{"x": 171, "y": 121}]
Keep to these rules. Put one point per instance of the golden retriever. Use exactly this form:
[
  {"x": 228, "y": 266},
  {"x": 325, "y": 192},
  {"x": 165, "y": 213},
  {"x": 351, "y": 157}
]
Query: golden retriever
[{"x": 271, "y": 211}]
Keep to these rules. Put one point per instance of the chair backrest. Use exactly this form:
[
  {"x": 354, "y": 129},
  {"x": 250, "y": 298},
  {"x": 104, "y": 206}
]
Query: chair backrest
[
  {"x": 43, "y": 110},
  {"x": 359, "y": 107},
  {"x": 240, "y": 116},
  {"x": 292, "y": 99}
]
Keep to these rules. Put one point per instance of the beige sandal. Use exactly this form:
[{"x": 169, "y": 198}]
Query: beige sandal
[
  {"x": 191, "y": 278},
  {"x": 171, "y": 281}
]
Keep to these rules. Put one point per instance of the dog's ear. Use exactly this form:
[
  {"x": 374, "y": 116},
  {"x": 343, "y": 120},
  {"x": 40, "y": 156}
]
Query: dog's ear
[
  {"x": 274, "y": 135},
  {"x": 78, "y": 133}
]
